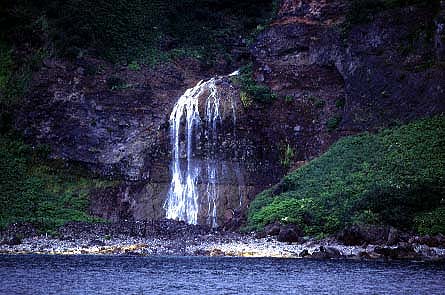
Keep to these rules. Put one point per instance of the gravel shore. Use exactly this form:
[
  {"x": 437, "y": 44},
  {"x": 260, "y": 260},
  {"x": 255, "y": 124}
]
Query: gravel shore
[{"x": 172, "y": 238}]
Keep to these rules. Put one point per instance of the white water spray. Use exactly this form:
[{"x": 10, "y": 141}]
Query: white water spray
[{"x": 182, "y": 202}]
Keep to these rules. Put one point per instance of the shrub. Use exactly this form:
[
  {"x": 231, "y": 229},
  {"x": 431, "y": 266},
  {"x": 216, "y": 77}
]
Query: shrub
[
  {"x": 365, "y": 217},
  {"x": 391, "y": 177},
  {"x": 124, "y": 30},
  {"x": 333, "y": 122},
  {"x": 5, "y": 68},
  {"x": 39, "y": 191},
  {"x": 115, "y": 83},
  {"x": 288, "y": 98},
  {"x": 250, "y": 88},
  {"x": 318, "y": 103},
  {"x": 432, "y": 222},
  {"x": 340, "y": 103},
  {"x": 134, "y": 66},
  {"x": 362, "y": 10},
  {"x": 16, "y": 74},
  {"x": 287, "y": 156},
  {"x": 246, "y": 100}
]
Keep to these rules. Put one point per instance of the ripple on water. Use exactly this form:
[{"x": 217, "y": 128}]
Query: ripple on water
[{"x": 44, "y": 274}]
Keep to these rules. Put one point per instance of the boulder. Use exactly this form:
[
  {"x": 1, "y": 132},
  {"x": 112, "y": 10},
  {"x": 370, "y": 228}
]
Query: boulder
[
  {"x": 432, "y": 241},
  {"x": 12, "y": 241},
  {"x": 332, "y": 252},
  {"x": 260, "y": 235},
  {"x": 364, "y": 234},
  {"x": 289, "y": 234},
  {"x": 272, "y": 229},
  {"x": 319, "y": 255},
  {"x": 396, "y": 236},
  {"x": 304, "y": 253},
  {"x": 400, "y": 252},
  {"x": 22, "y": 230},
  {"x": 322, "y": 253},
  {"x": 368, "y": 255}
]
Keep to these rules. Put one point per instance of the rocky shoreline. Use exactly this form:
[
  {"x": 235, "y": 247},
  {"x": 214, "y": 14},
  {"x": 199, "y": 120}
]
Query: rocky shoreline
[{"x": 168, "y": 237}]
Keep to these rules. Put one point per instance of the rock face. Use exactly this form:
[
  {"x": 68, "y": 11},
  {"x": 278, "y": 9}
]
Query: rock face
[
  {"x": 333, "y": 78},
  {"x": 357, "y": 75},
  {"x": 115, "y": 121}
]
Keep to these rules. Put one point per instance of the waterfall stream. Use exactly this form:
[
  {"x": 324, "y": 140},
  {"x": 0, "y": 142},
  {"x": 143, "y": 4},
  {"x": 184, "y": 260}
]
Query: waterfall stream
[{"x": 187, "y": 169}]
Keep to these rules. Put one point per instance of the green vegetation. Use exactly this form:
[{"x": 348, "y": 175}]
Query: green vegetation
[
  {"x": 318, "y": 102},
  {"x": 287, "y": 156},
  {"x": 14, "y": 76},
  {"x": 43, "y": 192},
  {"x": 134, "y": 66},
  {"x": 288, "y": 98},
  {"x": 5, "y": 67},
  {"x": 340, "y": 103},
  {"x": 116, "y": 83},
  {"x": 246, "y": 100},
  {"x": 333, "y": 122},
  {"x": 432, "y": 222},
  {"x": 393, "y": 177},
  {"x": 250, "y": 89},
  {"x": 135, "y": 30}
]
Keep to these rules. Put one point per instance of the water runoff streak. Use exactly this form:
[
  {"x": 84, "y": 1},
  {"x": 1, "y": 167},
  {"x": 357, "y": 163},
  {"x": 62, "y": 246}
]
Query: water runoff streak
[{"x": 183, "y": 197}]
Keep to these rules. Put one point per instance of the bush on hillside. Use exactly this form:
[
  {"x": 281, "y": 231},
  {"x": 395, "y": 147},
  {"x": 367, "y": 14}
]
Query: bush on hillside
[
  {"x": 392, "y": 176},
  {"x": 37, "y": 192},
  {"x": 251, "y": 89}
]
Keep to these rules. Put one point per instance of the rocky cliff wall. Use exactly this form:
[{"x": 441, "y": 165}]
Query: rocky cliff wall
[
  {"x": 333, "y": 78},
  {"x": 382, "y": 71},
  {"x": 115, "y": 121}
]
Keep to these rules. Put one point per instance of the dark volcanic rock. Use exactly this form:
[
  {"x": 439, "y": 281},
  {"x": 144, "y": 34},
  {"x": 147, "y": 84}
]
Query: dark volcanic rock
[
  {"x": 12, "y": 241},
  {"x": 164, "y": 228},
  {"x": 431, "y": 241},
  {"x": 364, "y": 234},
  {"x": 17, "y": 231},
  {"x": 115, "y": 122},
  {"x": 400, "y": 252},
  {"x": 312, "y": 54},
  {"x": 332, "y": 252},
  {"x": 325, "y": 253},
  {"x": 289, "y": 233},
  {"x": 272, "y": 229}
]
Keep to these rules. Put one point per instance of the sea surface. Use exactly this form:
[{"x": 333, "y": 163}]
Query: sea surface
[{"x": 46, "y": 274}]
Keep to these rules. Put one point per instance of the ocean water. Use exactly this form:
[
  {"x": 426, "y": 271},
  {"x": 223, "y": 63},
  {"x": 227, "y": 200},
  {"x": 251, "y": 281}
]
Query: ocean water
[{"x": 130, "y": 275}]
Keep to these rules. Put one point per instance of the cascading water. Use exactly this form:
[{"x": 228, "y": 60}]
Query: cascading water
[{"x": 182, "y": 201}]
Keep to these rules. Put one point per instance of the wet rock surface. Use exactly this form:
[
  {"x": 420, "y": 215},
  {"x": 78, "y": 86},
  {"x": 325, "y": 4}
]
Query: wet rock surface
[{"x": 115, "y": 122}]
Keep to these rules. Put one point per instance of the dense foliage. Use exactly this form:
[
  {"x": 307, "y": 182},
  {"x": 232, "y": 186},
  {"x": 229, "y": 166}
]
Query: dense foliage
[
  {"x": 394, "y": 177},
  {"x": 34, "y": 189},
  {"x": 127, "y": 30},
  {"x": 252, "y": 90}
]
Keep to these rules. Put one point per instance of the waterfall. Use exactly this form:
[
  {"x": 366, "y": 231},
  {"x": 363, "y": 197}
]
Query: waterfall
[{"x": 183, "y": 197}]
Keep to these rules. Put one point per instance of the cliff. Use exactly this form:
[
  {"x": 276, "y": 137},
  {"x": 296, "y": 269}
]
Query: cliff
[{"x": 333, "y": 74}]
